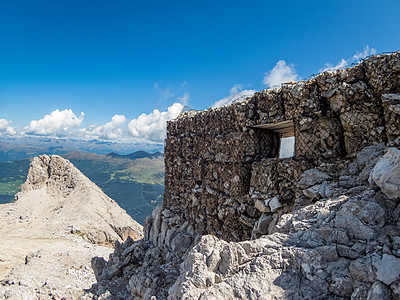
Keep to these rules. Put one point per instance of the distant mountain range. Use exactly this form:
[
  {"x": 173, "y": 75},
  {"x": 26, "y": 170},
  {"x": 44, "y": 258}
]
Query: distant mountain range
[
  {"x": 13, "y": 148},
  {"x": 136, "y": 155},
  {"x": 10, "y": 152},
  {"x": 134, "y": 180}
]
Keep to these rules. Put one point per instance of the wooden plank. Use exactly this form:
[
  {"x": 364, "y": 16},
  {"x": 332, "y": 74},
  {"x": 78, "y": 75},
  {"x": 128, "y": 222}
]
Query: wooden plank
[
  {"x": 275, "y": 125},
  {"x": 284, "y": 128}
]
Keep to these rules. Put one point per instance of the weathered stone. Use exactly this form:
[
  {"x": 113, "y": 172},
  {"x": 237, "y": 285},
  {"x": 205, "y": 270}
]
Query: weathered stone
[
  {"x": 262, "y": 206},
  {"x": 387, "y": 268},
  {"x": 396, "y": 242},
  {"x": 369, "y": 154},
  {"x": 313, "y": 192},
  {"x": 386, "y": 173},
  {"x": 274, "y": 204},
  {"x": 362, "y": 270},
  {"x": 378, "y": 291},
  {"x": 313, "y": 177},
  {"x": 261, "y": 227},
  {"x": 329, "y": 253},
  {"x": 181, "y": 243},
  {"x": 391, "y": 104},
  {"x": 98, "y": 264},
  {"x": 221, "y": 166},
  {"x": 58, "y": 249}
]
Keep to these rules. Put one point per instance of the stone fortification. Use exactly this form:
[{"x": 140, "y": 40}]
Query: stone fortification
[
  {"x": 239, "y": 222},
  {"x": 220, "y": 161}
]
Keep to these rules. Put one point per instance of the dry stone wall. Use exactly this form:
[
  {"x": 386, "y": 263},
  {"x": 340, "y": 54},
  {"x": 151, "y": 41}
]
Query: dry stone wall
[
  {"x": 323, "y": 224},
  {"x": 223, "y": 174}
]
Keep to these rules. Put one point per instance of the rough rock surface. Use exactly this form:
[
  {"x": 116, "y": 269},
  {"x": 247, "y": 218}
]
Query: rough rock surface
[
  {"x": 333, "y": 249},
  {"x": 338, "y": 247},
  {"x": 386, "y": 173},
  {"x": 58, "y": 222},
  {"x": 238, "y": 222}
]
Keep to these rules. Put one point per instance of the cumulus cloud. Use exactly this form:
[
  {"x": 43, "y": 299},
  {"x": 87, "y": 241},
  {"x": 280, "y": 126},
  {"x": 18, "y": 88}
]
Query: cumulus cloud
[
  {"x": 235, "y": 93},
  {"x": 5, "y": 128},
  {"x": 113, "y": 130},
  {"x": 58, "y": 123},
  {"x": 152, "y": 126},
  {"x": 367, "y": 51},
  {"x": 281, "y": 73},
  {"x": 147, "y": 128}
]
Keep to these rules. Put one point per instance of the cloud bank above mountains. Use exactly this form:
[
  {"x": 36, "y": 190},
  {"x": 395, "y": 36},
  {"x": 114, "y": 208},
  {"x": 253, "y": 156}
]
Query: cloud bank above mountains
[
  {"x": 151, "y": 127},
  {"x": 57, "y": 123},
  {"x": 148, "y": 128},
  {"x": 6, "y": 128}
]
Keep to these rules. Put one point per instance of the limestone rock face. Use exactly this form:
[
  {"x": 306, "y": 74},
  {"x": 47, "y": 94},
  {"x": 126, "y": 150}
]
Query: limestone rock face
[
  {"x": 58, "y": 222},
  {"x": 58, "y": 192},
  {"x": 386, "y": 173},
  {"x": 327, "y": 250},
  {"x": 238, "y": 222},
  {"x": 338, "y": 247}
]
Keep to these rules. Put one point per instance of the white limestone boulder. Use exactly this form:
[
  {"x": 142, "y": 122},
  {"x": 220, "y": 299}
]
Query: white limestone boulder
[{"x": 386, "y": 173}]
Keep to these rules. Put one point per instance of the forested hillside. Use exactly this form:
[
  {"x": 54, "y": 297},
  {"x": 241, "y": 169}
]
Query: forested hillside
[{"x": 137, "y": 184}]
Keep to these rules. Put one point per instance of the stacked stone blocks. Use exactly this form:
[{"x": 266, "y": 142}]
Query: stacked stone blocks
[{"x": 226, "y": 163}]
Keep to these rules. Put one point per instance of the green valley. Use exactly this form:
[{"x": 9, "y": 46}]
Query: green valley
[
  {"x": 136, "y": 183},
  {"x": 12, "y": 175}
]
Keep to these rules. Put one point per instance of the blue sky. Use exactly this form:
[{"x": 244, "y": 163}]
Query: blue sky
[{"x": 125, "y": 58}]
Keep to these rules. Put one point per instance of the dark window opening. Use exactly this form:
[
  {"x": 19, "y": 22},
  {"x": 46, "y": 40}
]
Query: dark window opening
[{"x": 285, "y": 143}]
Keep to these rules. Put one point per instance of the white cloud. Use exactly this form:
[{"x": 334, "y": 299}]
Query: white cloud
[
  {"x": 5, "y": 128},
  {"x": 235, "y": 94},
  {"x": 184, "y": 99},
  {"x": 152, "y": 126},
  {"x": 340, "y": 65},
  {"x": 58, "y": 123},
  {"x": 281, "y": 73},
  {"x": 113, "y": 130},
  {"x": 363, "y": 54},
  {"x": 147, "y": 128},
  {"x": 367, "y": 51}
]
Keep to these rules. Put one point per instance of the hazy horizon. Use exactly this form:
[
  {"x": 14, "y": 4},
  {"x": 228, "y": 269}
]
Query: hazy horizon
[{"x": 117, "y": 72}]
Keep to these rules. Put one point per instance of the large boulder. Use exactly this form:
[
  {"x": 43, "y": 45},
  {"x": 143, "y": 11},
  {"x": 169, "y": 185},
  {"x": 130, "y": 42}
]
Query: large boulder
[{"x": 386, "y": 173}]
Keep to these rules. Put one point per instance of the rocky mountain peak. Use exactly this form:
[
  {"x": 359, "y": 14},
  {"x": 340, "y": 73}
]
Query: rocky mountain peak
[
  {"x": 59, "y": 221},
  {"x": 54, "y": 185},
  {"x": 57, "y": 174}
]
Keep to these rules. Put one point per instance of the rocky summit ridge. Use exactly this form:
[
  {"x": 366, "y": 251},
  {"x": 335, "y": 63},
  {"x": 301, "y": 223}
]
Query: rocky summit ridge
[
  {"x": 57, "y": 223},
  {"x": 342, "y": 246},
  {"x": 238, "y": 222}
]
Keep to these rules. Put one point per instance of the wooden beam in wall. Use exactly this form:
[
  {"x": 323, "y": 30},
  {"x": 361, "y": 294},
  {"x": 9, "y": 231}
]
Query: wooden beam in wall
[{"x": 284, "y": 128}]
